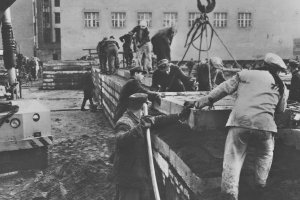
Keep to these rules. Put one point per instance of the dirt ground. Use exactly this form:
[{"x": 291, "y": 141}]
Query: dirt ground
[{"x": 79, "y": 165}]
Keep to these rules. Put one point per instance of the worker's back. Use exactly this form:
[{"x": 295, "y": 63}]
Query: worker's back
[{"x": 257, "y": 99}]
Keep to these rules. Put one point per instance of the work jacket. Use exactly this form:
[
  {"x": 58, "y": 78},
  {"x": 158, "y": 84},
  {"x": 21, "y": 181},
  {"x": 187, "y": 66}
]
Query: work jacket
[
  {"x": 131, "y": 168},
  {"x": 202, "y": 75},
  {"x": 257, "y": 100},
  {"x": 141, "y": 35},
  {"x": 295, "y": 87},
  {"x": 131, "y": 164},
  {"x": 131, "y": 87},
  {"x": 175, "y": 81}
]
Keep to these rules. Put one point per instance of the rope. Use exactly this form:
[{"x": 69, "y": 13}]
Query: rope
[{"x": 202, "y": 23}]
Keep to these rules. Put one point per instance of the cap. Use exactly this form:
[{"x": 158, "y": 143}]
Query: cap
[
  {"x": 294, "y": 63},
  {"x": 162, "y": 64},
  {"x": 275, "y": 61},
  {"x": 137, "y": 69},
  {"x": 136, "y": 101},
  {"x": 216, "y": 62}
]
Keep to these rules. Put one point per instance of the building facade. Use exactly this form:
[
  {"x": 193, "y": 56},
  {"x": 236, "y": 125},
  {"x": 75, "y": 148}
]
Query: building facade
[
  {"x": 23, "y": 28},
  {"x": 249, "y": 28},
  {"x": 47, "y": 26}
]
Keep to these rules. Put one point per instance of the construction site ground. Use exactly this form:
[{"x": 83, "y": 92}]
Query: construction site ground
[
  {"x": 79, "y": 166},
  {"x": 78, "y": 160}
]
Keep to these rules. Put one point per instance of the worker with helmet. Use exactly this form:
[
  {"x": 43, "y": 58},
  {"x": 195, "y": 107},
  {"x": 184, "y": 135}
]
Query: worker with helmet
[
  {"x": 143, "y": 45},
  {"x": 260, "y": 94}
]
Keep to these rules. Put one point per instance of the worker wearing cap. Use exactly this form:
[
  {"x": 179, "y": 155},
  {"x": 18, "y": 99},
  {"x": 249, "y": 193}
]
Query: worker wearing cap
[
  {"x": 131, "y": 166},
  {"x": 127, "y": 50},
  {"x": 88, "y": 88},
  {"x": 111, "y": 50},
  {"x": 161, "y": 42},
  {"x": 210, "y": 74},
  {"x": 143, "y": 45},
  {"x": 133, "y": 85},
  {"x": 260, "y": 93},
  {"x": 294, "y": 94},
  {"x": 102, "y": 55},
  {"x": 169, "y": 78}
]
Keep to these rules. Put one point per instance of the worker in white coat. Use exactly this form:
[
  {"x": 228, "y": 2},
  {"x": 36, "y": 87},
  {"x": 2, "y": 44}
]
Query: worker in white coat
[{"x": 260, "y": 93}]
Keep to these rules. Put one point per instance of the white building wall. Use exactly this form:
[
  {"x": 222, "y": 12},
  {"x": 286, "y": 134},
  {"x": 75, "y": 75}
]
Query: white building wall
[{"x": 275, "y": 23}]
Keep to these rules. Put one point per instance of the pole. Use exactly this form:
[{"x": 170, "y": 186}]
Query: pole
[{"x": 150, "y": 155}]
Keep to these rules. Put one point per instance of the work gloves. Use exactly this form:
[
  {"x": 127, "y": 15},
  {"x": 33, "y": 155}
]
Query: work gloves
[
  {"x": 161, "y": 120},
  {"x": 200, "y": 103}
]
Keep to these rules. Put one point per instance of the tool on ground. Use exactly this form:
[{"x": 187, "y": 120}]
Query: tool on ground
[{"x": 150, "y": 155}]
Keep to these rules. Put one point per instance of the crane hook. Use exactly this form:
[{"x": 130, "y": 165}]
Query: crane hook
[{"x": 211, "y": 4}]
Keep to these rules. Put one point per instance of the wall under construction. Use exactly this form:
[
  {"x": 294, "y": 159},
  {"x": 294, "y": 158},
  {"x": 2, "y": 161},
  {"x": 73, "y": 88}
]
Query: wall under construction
[{"x": 189, "y": 156}]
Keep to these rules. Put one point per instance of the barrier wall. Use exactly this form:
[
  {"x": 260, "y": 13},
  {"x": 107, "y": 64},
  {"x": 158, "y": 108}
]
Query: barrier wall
[
  {"x": 189, "y": 156},
  {"x": 64, "y": 74}
]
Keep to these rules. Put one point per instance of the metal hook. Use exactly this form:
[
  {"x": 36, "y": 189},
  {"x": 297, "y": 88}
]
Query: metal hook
[{"x": 211, "y": 4}]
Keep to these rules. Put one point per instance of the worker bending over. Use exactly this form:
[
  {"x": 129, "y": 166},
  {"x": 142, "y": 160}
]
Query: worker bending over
[{"x": 260, "y": 93}]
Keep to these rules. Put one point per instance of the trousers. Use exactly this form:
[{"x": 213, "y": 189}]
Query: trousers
[
  {"x": 145, "y": 49},
  {"x": 235, "y": 152}
]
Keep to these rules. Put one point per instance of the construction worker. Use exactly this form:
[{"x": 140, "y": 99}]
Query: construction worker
[
  {"x": 88, "y": 88},
  {"x": 131, "y": 172},
  {"x": 111, "y": 50},
  {"x": 161, "y": 43},
  {"x": 133, "y": 85},
  {"x": 210, "y": 74},
  {"x": 169, "y": 78},
  {"x": 143, "y": 45},
  {"x": 260, "y": 93},
  {"x": 102, "y": 55},
  {"x": 127, "y": 50},
  {"x": 294, "y": 94}
]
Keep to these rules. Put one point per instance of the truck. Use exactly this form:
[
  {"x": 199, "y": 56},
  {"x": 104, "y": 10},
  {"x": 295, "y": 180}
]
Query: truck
[{"x": 25, "y": 128}]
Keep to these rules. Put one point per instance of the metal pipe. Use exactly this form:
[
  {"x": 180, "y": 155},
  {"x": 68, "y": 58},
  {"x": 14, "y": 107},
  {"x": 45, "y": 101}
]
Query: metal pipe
[
  {"x": 150, "y": 155},
  {"x": 8, "y": 46}
]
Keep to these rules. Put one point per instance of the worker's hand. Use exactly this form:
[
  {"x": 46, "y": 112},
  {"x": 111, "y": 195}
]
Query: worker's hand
[
  {"x": 202, "y": 102},
  {"x": 185, "y": 113},
  {"x": 189, "y": 104},
  {"x": 147, "y": 121}
]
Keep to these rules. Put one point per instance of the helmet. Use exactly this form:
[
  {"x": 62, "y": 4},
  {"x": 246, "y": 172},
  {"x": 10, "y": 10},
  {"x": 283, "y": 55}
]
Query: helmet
[
  {"x": 216, "y": 62},
  {"x": 143, "y": 24},
  {"x": 274, "y": 60}
]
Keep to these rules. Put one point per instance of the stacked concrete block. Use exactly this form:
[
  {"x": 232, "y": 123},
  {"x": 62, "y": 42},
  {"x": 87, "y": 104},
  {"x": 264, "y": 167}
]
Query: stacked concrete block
[
  {"x": 190, "y": 157},
  {"x": 64, "y": 74}
]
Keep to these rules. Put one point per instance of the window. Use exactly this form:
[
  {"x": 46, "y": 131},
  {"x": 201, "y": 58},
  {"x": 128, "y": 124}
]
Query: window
[
  {"x": 170, "y": 19},
  {"x": 57, "y": 3},
  {"x": 192, "y": 17},
  {"x": 244, "y": 20},
  {"x": 220, "y": 19},
  {"x": 57, "y": 18},
  {"x": 57, "y": 35},
  {"x": 147, "y": 16},
  {"x": 118, "y": 19},
  {"x": 91, "y": 19}
]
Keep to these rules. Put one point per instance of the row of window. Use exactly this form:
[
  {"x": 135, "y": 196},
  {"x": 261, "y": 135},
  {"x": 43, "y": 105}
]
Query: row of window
[{"x": 118, "y": 19}]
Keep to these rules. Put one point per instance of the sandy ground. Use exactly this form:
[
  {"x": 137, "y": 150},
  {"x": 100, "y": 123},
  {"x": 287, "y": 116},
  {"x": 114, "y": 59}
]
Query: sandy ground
[{"x": 78, "y": 160}]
